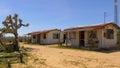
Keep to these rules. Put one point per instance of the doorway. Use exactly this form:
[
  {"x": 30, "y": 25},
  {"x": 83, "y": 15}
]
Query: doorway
[
  {"x": 38, "y": 38},
  {"x": 64, "y": 38},
  {"x": 81, "y": 39}
]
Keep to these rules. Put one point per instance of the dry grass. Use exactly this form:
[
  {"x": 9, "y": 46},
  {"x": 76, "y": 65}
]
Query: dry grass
[{"x": 51, "y": 57}]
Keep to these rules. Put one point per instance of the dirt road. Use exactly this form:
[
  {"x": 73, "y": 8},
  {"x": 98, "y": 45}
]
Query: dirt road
[{"x": 50, "y": 57}]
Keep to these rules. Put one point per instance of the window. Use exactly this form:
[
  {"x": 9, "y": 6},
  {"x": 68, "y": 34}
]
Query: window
[
  {"x": 92, "y": 34},
  {"x": 109, "y": 34},
  {"x": 72, "y": 35},
  {"x": 55, "y": 35},
  {"x": 44, "y": 36}
]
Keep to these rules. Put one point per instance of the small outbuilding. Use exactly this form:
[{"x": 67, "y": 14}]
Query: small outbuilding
[
  {"x": 52, "y": 36},
  {"x": 100, "y": 35}
]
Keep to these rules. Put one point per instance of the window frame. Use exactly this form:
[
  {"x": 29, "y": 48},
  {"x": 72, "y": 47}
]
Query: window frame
[
  {"x": 72, "y": 35},
  {"x": 92, "y": 34},
  {"x": 56, "y": 35},
  {"x": 109, "y": 33}
]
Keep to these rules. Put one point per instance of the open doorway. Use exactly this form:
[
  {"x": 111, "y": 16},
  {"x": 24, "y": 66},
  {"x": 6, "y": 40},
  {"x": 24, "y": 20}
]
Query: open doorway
[
  {"x": 38, "y": 38},
  {"x": 81, "y": 38},
  {"x": 64, "y": 38}
]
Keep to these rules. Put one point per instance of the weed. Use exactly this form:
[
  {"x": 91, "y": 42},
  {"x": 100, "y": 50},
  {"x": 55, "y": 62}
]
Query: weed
[
  {"x": 75, "y": 63},
  {"x": 42, "y": 61},
  {"x": 36, "y": 59}
]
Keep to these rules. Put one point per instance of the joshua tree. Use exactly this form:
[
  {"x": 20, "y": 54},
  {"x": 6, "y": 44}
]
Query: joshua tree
[
  {"x": 11, "y": 25},
  {"x": 1, "y": 36}
]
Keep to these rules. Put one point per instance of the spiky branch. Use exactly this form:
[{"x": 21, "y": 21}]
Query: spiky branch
[{"x": 11, "y": 25}]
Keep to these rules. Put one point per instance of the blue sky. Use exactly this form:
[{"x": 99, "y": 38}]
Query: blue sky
[{"x": 50, "y": 14}]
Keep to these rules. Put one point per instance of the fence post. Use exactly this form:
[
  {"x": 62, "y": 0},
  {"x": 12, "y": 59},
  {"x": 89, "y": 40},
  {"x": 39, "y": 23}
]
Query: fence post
[
  {"x": 8, "y": 64},
  {"x": 21, "y": 57}
]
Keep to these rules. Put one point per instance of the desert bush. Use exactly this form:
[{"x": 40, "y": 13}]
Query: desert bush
[{"x": 9, "y": 48}]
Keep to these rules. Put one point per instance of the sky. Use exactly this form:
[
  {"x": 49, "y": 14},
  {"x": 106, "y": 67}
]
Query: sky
[{"x": 60, "y": 14}]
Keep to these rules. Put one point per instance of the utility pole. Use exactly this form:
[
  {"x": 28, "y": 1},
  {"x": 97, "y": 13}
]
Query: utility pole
[
  {"x": 104, "y": 17},
  {"x": 116, "y": 11}
]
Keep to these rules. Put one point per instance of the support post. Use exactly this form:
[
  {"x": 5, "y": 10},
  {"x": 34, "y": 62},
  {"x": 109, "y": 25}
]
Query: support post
[{"x": 8, "y": 64}]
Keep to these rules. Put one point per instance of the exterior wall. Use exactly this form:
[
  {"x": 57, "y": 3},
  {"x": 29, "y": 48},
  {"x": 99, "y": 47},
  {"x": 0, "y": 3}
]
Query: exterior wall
[
  {"x": 86, "y": 38},
  {"x": 75, "y": 42},
  {"x": 98, "y": 34},
  {"x": 102, "y": 41},
  {"x": 49, "y": 38},
  {"x": 109, "y": 42},
  {"x": 42, "y": 40},
  {"x": 33, "y": 40},
  {"x": 67, "y": 39}
]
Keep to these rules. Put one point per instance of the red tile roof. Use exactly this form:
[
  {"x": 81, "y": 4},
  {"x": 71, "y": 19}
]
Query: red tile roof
[
  {"x": 98, "y": 26},
  {"x": 43, "y": 31}
]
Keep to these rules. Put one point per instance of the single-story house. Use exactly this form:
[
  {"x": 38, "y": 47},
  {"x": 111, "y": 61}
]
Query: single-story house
[
  {"x": 100, "y": 35},
  {"x": 46, "y": 36}
]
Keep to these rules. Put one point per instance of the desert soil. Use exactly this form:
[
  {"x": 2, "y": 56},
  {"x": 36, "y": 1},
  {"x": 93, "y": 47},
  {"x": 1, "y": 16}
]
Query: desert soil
[{"x": 51, "y": 57}]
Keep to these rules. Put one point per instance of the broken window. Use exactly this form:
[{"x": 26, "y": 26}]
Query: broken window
[
  {"x": 55, "y": 35},
  {"x": 72, "y": 35},
  {"x": 92, "y": 34},
  {"x": 109, "y": 34}
]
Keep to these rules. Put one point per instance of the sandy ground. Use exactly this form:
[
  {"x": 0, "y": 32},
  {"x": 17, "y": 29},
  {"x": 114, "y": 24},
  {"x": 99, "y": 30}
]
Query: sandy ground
[{"x": 50, "y": 57}]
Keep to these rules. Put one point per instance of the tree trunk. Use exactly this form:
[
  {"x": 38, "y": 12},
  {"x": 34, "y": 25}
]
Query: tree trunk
[
  {"x": 1, "y": 36},
  {"x": 1, "y": 42},
  {"x": 16, "y": 46}
]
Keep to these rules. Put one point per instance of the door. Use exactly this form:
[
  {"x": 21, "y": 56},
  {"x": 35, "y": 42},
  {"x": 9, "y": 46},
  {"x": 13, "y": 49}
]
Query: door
[
  {"x": 81, "y": 38},
  {"x": 38, "y": 38},
  {"x": 64, "y": 38}
]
